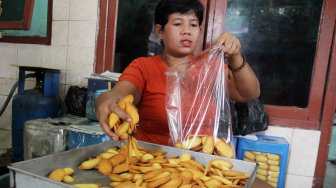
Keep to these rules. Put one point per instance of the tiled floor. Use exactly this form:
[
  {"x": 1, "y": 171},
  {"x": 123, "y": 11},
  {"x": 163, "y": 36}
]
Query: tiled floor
[{"x": 330, "y": 179}]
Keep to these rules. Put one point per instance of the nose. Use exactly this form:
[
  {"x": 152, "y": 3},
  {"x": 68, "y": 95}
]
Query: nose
[
  {"x": 186, "y": 33},
  {"x": 186, "y": 30}
]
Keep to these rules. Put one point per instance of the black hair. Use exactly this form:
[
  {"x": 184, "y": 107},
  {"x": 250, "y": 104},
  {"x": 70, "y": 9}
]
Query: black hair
[{"x": 168, "y": 7}]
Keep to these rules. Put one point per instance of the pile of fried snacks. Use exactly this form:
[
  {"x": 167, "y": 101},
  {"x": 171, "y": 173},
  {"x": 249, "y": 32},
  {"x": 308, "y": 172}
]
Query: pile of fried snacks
[
  {"x": 209, "y": 145},
  {"x": 154, "y": 169}
]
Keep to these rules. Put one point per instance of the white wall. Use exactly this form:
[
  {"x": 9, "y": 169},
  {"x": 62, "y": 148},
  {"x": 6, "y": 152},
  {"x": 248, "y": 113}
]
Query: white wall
[{"x": 73, "y": 52}]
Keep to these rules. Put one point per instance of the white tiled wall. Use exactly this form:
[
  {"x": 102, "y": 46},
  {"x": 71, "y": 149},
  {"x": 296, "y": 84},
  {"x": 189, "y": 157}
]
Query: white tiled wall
[
  {"x": 303, "y": 154},
  {"x": 74, "y": 31},
  {"x": 72, "y": 51}
]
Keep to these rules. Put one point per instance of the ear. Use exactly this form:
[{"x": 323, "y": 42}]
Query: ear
[{"x": 158, "y": 30}]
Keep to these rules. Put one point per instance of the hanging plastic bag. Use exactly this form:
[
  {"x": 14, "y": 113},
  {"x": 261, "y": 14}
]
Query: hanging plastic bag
[
  {"x": 249, "y": 117},
  {"x": 198, "y": 106},
  {"x": 75, "y": 100}
]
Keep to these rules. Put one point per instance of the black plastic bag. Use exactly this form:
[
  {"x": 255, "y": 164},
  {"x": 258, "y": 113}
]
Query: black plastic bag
[
  {"x": 248, "y": 117},
  {"x": 75, "y": 100}
]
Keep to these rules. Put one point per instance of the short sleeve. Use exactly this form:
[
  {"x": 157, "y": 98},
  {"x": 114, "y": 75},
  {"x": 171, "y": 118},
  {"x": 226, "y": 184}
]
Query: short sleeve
[{"x": 134, "y": 74}]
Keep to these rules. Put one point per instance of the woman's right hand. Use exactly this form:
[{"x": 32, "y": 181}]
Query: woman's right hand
[{"x": 107, "y": 103}]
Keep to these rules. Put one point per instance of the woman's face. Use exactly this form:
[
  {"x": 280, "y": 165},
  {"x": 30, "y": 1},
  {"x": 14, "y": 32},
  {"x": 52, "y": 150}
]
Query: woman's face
[{"x": 180, "y": 34}]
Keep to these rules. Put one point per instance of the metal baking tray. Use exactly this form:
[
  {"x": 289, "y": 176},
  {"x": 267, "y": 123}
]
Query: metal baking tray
[{"x": 33, "y": 173}]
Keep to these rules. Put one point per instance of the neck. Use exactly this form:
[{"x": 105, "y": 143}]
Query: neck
[{"x": 172, "y": 60}]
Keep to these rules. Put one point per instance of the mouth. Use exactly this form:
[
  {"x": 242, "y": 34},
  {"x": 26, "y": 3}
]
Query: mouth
[{"x": 186, "y": 43}]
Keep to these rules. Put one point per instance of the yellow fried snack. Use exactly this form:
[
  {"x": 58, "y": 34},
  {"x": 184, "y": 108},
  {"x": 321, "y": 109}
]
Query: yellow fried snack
[
  {"x": 186, "y": 176},
  {"x": 104, "y": 166},
  {"x": 113, "y": 119},
  {"x": 158, "y": 182},
  {"x": 208, "y": 145},
  {"x": 57, "y": 174},
  {"x": 131, "y": 111},
  {"x": 68, "y": 179},
  {"x": 128, "y": 99},
  {"x": 68, "y": 171},
  {"x": 222, "y": 164},
  {"x": 152, "y": 174},
  {"x": 212, "y": 183},
  {"x": 185, "y": 157},
  {"x": 223, "y": 149},
  {"x": 86, "y": 185},
  {"x": 89, "y": 164},
  {"x": 123, "y": 167},
  {"x": 173, "y": 182},
  {"x": 192, "y": 143},
  {"x": 123, "y": 128},
  {"x": 117, "y": 159}
]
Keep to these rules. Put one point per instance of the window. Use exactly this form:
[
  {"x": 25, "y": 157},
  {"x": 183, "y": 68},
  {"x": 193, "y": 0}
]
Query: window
[
  {"x": 16, "y": 14},
  {"x": 134, "y": 36},
  {"x": 32, "y": 26},
  {"x": 288, "y": 44}
]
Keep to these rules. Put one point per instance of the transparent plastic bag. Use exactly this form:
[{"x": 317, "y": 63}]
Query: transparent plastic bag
[{"x": 198, "y": 106}]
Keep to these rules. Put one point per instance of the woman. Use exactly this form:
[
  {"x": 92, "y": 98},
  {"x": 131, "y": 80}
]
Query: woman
[{"x": 177, "y": 24}]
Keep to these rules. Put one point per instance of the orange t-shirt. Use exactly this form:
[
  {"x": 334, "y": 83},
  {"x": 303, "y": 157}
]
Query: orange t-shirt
[{"x": 148, "y": 74}]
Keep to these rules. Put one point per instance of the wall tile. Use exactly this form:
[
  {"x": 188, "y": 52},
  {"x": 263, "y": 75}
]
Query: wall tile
[
  {"x": 83, "y": 9},
  {"x": 298, "y": 181},
  {"x": 304, "y": 150},
  {"x": 61, "y": 9},
  {"x": 60, "y": 30},
  {"x": 6, "y": 117},
  {"x": 5, "y": 139},
  {"x": 54, "y": 57},
  {"x": 8, "y": 61},
  {"x": 62, "y": 92},
  {"x": 63, "y": 76},
  {"x": 82, "y": 33},
  {"x": 284, "y": 132},
  {"x": 29, "y": 55},
  {"x": 80, "y": 65},
  {"x": 6, "y": 85}
]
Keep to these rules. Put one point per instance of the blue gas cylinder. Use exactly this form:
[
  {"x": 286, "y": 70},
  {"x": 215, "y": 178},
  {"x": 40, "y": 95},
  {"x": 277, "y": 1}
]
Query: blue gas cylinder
[{"x": 42, "y": 101}]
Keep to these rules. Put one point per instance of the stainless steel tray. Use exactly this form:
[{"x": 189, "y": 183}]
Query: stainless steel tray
[{"x": 33, "y": 173}]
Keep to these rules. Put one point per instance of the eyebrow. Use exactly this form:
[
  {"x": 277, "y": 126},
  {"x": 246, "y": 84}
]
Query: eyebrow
[{"x": 194, "y": 19}]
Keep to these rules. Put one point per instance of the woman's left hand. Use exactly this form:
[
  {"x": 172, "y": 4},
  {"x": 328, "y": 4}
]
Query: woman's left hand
[{"x": 229, "y": 44}]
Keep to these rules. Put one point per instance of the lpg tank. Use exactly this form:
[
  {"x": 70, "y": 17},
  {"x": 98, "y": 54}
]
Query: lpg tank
[{"x": 42, "y": 101}]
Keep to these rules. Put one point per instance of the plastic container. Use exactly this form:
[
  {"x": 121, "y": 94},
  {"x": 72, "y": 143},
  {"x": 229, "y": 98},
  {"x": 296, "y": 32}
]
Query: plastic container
[
  {"x": 85, "y": 134},
  {"x": 46, "y": 136},
  {"x": 90, "y": 112},
  {"x": 271, "y": 153}
]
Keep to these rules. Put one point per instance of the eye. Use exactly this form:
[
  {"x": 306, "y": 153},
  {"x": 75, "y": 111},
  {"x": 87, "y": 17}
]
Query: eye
[
  {"x": 177, "y": 24},
  {"x": 194, "y": 25}
]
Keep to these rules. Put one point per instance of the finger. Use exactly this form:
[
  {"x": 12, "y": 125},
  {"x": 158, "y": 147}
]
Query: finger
[
  {"x": 234, "y": 48},
  {"x": 108, "y": 131},
  {"x": 102, "y": 117},
  {"x": 228, "y": 46},
  {"x": 121, "y": 113}
]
